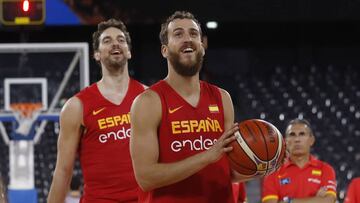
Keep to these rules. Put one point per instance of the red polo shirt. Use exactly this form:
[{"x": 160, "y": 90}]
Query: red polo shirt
[
  {"x": 239, "y": 192},
  {"x": 294, "y": 182},
  {"x": 353, "y": 192}
]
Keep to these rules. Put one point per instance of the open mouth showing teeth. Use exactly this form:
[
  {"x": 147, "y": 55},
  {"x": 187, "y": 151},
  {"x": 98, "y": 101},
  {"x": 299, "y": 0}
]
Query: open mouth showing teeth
[
  {"x": 188, "y": 50},
  {"x": 115, "y": 52}
]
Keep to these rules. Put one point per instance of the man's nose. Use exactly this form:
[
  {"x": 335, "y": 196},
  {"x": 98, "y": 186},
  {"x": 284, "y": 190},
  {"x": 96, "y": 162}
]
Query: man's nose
[
  {"x": 115, "y": 43},
  {"x": 187, "y": 37}
]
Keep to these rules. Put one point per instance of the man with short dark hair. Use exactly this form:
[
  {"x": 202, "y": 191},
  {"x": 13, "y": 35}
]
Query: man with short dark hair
[{"x": 95, "y": 124}]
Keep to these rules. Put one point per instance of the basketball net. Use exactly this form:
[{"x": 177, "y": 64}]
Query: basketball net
[{"x": 25, "y": 114}]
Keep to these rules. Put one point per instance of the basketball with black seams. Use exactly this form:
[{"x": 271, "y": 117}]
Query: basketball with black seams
[{"x": 259, "y": 148}]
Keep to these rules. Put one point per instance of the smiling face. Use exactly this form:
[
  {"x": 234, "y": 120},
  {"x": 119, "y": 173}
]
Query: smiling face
[
  {"x": 113, "y": 52},
  {"x": 184, "y": 49}
]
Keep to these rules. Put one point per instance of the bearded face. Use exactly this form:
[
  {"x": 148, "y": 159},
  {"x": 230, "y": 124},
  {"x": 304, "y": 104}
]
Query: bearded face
[
  {"x": 115, "y": 59},
  {"x": 187, "y": 61},
  {"x": 184, "y": 50},
  {"x": 113, "y": 51}
]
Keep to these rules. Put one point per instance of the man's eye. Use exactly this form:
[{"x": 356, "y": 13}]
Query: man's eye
[{"x": 194, "y": 34}]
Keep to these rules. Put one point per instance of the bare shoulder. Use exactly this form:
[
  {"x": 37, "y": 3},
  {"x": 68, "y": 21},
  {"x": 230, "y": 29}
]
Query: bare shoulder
[
  {"x": 72, "y": 110},
  {"x": 146, "y": 112},
  {"x": 228, "y": 108},
  {"x": 73, "y": 104},
  {"x": 147, "y": 99},
  {"x": 226, "y": 97},
  {"x": 146, "y": 107}
]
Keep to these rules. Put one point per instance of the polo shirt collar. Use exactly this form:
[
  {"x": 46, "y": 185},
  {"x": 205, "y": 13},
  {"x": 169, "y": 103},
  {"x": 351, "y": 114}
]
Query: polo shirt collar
[{"x": 313, "y": 161}]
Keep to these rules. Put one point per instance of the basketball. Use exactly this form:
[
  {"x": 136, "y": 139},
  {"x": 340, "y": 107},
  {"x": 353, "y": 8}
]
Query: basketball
[{"x": 259, "y": 148}]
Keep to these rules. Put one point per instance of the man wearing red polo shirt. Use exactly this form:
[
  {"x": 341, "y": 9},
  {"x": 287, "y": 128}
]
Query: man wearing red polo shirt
[
  {"x": 302, "y": 178},
  {"x": 353, "y": 192}
]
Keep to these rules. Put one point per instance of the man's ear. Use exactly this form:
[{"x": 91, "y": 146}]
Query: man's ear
[
  {"x": 164, "y": 51},
  {"x": 203, "y": 49},
  {"x": 97, "y": 56},
  {"x": 312, "y": 140}
]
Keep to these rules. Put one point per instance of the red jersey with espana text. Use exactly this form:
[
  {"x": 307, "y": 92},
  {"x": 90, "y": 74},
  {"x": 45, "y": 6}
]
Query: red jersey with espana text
[
  {"x": 183, "y": 132},
  {"x": 104, "y": 147}
]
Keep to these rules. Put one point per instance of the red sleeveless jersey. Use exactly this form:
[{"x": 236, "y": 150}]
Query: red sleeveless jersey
[
  {"x": 104, "y": 147},
  {"x": 185, "y": 131}
]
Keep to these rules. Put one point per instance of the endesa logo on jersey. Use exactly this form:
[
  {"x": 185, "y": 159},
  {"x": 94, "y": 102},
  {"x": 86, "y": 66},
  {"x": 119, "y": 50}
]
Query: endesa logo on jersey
[
  {"x": 194, "y": 126},
  {"x": 199, "y": 144},
  {"x": 112, "y": 122}
]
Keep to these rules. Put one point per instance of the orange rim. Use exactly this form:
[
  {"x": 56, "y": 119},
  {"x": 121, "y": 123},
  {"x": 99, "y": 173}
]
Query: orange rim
[{"x": 26, "y": 109}]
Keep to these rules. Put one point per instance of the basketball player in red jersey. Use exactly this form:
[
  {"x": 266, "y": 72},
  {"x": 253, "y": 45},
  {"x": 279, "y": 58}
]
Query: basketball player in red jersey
[
  {"x": 302, "y": 178},
  {"x": 95, "y": 123},
  {"x": 181, "y": 126}
]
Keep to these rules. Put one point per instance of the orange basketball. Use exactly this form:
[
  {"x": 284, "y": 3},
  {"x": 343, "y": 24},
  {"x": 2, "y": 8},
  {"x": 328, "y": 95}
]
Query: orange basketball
[{"x": 259, "y": 148}]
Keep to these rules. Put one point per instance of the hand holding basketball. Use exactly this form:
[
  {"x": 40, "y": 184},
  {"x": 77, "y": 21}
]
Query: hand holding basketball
[
  {"x": 259, "y": 148},
  {"x": 222, "y": 144}
]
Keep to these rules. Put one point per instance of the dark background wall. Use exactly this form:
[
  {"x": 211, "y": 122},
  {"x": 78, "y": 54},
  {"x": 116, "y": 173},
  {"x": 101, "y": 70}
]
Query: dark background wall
[
  {"x": 278, "y": 59},
  {"x": 260, "y": 45}
]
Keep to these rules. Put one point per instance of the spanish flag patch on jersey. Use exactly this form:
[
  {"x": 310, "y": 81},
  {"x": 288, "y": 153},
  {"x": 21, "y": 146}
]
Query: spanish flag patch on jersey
[
  {"x": 213, "y": 108},
  {"x": 316, "y": 172}
]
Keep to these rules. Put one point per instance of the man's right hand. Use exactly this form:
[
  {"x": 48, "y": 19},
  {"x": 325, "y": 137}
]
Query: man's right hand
[{"x": 221, "y": 145}]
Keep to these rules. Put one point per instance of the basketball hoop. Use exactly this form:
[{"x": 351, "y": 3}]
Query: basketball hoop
[{"x": 25, "y": 114}]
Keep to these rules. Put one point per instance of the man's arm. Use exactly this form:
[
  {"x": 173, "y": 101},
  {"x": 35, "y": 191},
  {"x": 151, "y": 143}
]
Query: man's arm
[
  {"x": 327, "y": 192},
  {"x": 271, "y": 201},
  {"x": 145, "y": 117},
  {"x": 318, "y": 199},
  {"x": 69, "y": 138},
  {"x": 3, "y": 198},
  {"x": 321, "y": 197},
  {"x": 229, "y": 116},
  {"x": 229, "y": 122}
]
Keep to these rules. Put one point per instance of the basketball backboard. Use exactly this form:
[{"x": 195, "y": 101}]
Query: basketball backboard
[{"x": 40, "y": 73}]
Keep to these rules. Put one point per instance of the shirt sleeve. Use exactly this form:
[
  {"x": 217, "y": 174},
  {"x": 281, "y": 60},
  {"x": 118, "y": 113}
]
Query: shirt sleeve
[
  {"x": 328, "y": 179},
  {"x": 270, "y": 189},
  {"x": 351, "y": 191}
]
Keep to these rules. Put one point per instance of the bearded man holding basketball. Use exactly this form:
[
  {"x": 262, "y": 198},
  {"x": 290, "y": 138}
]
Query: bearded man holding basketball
[
  {"x": 302, "y": 178},
  {"x": 181, "y": 126}
]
